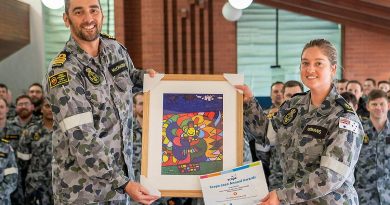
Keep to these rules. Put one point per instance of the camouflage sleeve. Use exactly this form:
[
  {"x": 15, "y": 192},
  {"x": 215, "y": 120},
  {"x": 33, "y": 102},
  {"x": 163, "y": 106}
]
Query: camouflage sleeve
[
  {"x": 10, "y": 176},
  {"x": 337, "y": 163},
  {"x": 256, "y": 121},
  {"x": 73, "y": 112},
  {"x": 136, "y": 75},
  {"x": 24, "y": 151}
]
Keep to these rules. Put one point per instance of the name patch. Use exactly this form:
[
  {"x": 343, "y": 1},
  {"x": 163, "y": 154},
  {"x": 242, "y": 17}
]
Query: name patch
[
  {"x": 316, "y": 131},
  {"x": 61, "y": 78},
  {"x": 3, "y": 155},
  {"x": 11, "y": 137},
  {"x": 117, "y": 68}
]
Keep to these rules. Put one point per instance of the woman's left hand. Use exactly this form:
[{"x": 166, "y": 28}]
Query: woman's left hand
[
  {"x": 151, "y": 72},
  {"x": 270, "y": 199}
]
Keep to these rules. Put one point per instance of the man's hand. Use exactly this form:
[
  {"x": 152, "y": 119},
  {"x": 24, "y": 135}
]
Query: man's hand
[
  {"x": 151, "y": 72},
  {"x": 139, "y": 193},
  {"x": 270, "y": 199},
  {"x": 246, "y": 91}
]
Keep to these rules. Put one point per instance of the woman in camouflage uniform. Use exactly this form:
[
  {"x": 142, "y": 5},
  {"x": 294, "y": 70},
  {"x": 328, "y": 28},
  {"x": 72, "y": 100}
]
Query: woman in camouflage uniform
[{"x": 318, "y": 135}]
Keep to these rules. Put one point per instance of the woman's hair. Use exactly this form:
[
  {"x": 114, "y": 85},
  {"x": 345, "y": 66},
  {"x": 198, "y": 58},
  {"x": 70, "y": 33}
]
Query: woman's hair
[{"x": 327, "y": 48}]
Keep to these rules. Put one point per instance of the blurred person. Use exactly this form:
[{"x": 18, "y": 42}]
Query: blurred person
[
  {"x": 384, "y": 85},
  {"x": 368, "y": 85},
  {"x": 276, "y": 97},
  {"x": 317, "y": 135},
  {"x": 341, "y": 85},
  {"x": 356, "y": 88},
  {"x": 35, "y": 147},
  {"x": 373, "y": 168},
  {"x": 351, "y": 99},
  {"x": 290, "y": 88},
  {"x": 6, "y": 94},
  {"x": 35, "y": 91}
]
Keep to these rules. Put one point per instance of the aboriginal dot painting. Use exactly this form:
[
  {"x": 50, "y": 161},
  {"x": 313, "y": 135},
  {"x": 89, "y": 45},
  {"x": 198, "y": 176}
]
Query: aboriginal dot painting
[{"x": 192, "y": 134}]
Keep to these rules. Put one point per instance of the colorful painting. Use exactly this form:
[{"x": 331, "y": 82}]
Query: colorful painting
[{"x": 192, "y": 134}]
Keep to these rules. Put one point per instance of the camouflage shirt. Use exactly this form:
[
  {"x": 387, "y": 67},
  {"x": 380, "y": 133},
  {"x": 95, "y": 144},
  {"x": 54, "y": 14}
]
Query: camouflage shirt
[
  {"x": 36, "y": 154},
  {"x": 8, "y": 172},
  {"x": 92, "y": 107},
  {"x": 318, "y": 148},
  {"x": 373, "y": 167},
  {"x": 137, "y": 149}
]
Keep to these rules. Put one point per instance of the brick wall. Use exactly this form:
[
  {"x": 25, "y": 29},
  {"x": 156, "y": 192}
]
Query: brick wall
[{"x": 366, "y": 55}]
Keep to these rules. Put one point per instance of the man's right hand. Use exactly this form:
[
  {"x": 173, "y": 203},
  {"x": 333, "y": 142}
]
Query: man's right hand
[
  {"x": 139, "y": 193},
  {"x": 246, "y": 92}
]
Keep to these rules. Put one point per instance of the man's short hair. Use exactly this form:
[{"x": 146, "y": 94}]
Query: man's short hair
[
  {"x": 372, "y": 80},
  {"x": 292, "y": 83},
  {"x": 21, "y": 97},
  {"x": 349, "y": 97},
  {"x": 357, "y": 82},
  {"x": 67, "y": 2},
  {"x": 35, "y": 84},
  {"x": 5, "y": 101},
  {"x": 342, "y": 80},
  {"x": 3, "y": 86},
  {"x": 375, "y": 94},
  {"x": 276, "y": 83},
  {"x": 135, "y": 96},
  {"x": 383, "y": 81}
]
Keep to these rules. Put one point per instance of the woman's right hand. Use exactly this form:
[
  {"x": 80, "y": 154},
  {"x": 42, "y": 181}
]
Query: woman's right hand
[{"x": 246, "y": 92}]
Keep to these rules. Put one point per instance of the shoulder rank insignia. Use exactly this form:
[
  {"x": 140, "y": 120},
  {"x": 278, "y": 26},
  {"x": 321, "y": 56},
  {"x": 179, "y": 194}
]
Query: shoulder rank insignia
[
  {"x": 343, "y": 103},
  {"x": 61, "y": 78},
  {"x": 366, "y": 139},
  {"x": 60, "y": 59},
  {"x": 297, "y": 94},
  {"x": 5, "y": 141},
  {"x": 104, "y": 35},
  {"x": 290, "y": 116},
  {"x": 92, "y": 76}
]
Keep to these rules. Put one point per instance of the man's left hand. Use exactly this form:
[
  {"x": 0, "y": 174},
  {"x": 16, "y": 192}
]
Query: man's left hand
[{"x": 151, "y": 72}]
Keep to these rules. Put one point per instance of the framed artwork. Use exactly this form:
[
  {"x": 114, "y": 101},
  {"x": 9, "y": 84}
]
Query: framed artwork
[{"x": 192, "y": 126}]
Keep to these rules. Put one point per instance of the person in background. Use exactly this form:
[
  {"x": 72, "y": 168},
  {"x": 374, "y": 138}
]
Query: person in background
[
  {"x": 89, "y": 87},
  {"x": 290, "y": 88},
  {"x": 6, "y": 94},
  {"x": 35, "y": 91},
  {"x": 368, "y": 85},
  {"x": 318, "y": 135},
  {"x": 355, "y": 87},
  {"x": 373, "y": 168},
  {"x": 341, "y": 85},
  {"x": 35, "y": 147},
  {"x": 276, "y": 98},
  {"x": 384, "y": 85}
]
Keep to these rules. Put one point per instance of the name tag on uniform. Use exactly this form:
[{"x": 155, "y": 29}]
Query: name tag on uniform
[
  {"x": 347, "y": 124},
  {"x": 117, "y": 68},
  {"x": 316, "y": 131},
  {"x": 11, "y": 137},
  {"x": 3, "y": 155}
]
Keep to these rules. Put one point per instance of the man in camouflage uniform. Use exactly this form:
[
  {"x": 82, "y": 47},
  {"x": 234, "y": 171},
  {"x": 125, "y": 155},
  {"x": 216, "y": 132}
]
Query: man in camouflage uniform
[
  {"x": 8, "y": 166},
  {"x": 373, "y": 167},
  {"x": 13, "y": 130},
  {"x": 89, "y": 88},
  {"x": 35, "y": 146},
  {"x": 318, "y": 147},
  {"x": 8, "y": 172}
]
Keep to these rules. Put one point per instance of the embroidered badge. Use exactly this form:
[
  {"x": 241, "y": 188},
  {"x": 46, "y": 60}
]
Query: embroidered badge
[
  {"x": 60, "y": 59},
  {"x": 92, "y": 76},
  {"x": 117, "y": 68},
  {"x": 61, "y": 78},
  {"x": 316, "y": 131},
  {"x": 347, "y": 107},
  {"x": 347, "y": 124},
  {"x": 36, "y": 136},
  {"x": 366, "y": 139},
  {"x": 3, "y": 155},
  {"x": 105, "y": 35},
  {"x": 290, "y": 116}
]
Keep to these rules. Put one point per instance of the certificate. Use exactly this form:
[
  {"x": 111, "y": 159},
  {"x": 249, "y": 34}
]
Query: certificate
[{"x": 239, "y": 186}]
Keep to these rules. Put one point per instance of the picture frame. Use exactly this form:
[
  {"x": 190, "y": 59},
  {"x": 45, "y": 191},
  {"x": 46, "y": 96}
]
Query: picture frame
[{"x": 192, "y": 125}]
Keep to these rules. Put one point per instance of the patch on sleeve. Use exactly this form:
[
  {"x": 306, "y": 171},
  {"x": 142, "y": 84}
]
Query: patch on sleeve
[
  {"x": 36, "y": 136},
  {"x": 3, "y": 155},
  {"x": 347, "y": 124},
  {"x": 117, "y": 68},
  {"x": 366, "y": 139},
  {"x": 60, "y": 59},
  {"x": 316, "y": 131},
  {"x": 61, "y": 78}
]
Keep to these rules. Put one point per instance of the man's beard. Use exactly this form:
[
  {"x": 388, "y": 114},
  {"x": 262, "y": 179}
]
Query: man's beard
[
  {"x": 84, "y": 35},
  {"x": 24, "y": 114}
]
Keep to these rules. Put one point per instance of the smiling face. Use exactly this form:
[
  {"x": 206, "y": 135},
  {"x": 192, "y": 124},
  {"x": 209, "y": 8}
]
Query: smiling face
[
  {"x": 317, "y": 72},
  {"x": 85, "y": 19}
]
